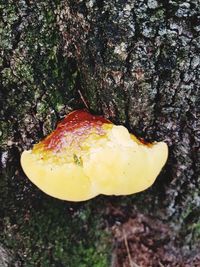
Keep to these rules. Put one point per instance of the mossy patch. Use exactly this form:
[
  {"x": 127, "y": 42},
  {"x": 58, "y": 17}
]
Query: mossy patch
[
  {"x": 37, "y": 89},
  {"x": 43, "y": 231}
]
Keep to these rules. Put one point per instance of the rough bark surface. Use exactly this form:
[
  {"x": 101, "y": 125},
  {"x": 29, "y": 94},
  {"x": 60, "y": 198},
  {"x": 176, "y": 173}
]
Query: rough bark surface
[
  {"x": 139, "y": 65},
  {"x": 136, "y": 62},
  {"x": 37, "y": 89}
]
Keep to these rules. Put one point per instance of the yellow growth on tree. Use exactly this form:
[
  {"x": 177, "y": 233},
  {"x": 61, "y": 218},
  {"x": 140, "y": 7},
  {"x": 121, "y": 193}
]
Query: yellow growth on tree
[{"x": 87, "y": 155}]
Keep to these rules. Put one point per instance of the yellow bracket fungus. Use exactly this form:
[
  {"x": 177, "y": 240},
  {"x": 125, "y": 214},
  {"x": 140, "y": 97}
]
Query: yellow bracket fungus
[{"x": 87, "y": 155}]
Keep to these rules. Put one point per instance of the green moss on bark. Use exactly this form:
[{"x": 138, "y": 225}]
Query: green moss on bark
[
  {"x": 37, "y": 89},
  {"x": 138, "y": 64}
]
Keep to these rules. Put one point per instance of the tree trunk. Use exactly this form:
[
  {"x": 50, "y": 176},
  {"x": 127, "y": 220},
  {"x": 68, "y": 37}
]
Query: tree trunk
[{"x": 135, "y": 62}]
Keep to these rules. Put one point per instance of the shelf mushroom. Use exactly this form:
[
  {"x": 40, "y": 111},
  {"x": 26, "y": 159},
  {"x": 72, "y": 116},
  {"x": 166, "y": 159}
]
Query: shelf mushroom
[{"x": 87, "y": 155}]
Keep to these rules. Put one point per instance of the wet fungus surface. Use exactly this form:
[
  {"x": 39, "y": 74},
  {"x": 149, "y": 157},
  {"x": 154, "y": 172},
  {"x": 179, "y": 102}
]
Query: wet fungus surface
[{"x": 87, "y": 155}]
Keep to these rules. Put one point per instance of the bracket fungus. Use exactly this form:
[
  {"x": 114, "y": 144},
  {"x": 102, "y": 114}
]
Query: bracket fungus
[{"x": 87, "y": 155}]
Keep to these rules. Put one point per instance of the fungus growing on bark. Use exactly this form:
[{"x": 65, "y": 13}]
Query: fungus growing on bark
[{"x": 87, "y": 155}]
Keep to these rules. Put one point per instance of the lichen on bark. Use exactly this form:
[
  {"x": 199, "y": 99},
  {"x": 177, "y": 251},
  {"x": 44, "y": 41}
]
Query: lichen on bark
[
  {"x": 37, "y": 89},
  {"x": 137, "y": 63}
]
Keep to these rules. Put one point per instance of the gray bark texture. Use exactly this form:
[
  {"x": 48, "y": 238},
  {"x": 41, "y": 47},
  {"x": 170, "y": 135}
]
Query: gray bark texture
[{"x": 138, "y": 64}]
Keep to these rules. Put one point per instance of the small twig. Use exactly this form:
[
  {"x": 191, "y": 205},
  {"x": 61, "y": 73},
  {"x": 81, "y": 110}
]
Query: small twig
[
  {"x": 82, "y": 98},
  {"x": 161, "y": 265},
  {"x": 132, "y": 264}
]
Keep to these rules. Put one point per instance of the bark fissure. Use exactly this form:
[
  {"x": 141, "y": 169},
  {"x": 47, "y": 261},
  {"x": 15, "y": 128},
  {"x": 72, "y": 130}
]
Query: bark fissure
[{"x": 137, "y": 63}]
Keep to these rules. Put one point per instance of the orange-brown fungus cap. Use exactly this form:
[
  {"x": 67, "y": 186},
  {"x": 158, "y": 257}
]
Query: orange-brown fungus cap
[{"x": 87, "y": 155}]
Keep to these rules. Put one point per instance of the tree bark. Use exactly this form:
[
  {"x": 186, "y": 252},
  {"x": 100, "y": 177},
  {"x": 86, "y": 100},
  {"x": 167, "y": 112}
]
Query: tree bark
[
  {"x": 135, "y": 62},
  {"x": 139, "y": 65}
]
